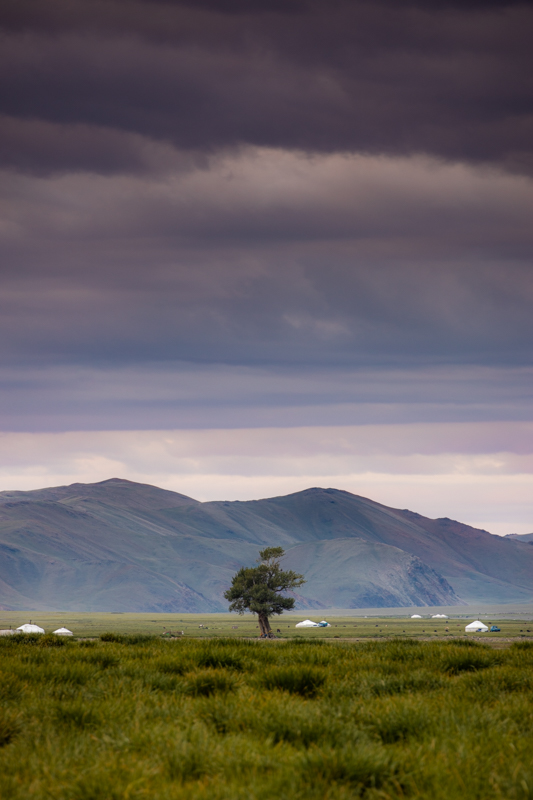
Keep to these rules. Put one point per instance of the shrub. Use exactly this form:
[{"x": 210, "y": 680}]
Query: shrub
[
  {"x": 302, "y": 680},
  {"x": 505, "y": 679},
  {"x": 138, "y": 638},
  {"x": 454, "y": 663},
  {"x": 364, "y": 767},
  {"x": 127, "y": 638},
  {"x": 219, "y": 659},
  {"x": 400, "y": 684},
  {"x": 526, "y": 645},
  {"x": 9, "y": 727},
  {"x": 104, "y": 660},
  {"x": 462, "y": 643},
  {"x": 51, "y": 640},
  {"x": 69, "y": 673},
  {"x": 397, "y": 722},
  {"x": 191, "y": 759},
  {"x": 112, "y": 637},
  {"x": 170, "y": 666},
  {"x": 402, "y": 650},
  {"x": 77, "y": 713},
  {"x": 10, "y": 687},
  {"x": 299, "y": 640},
  {"x": 100, "y": 784},
  {"x": 20, "y": 640},
  {"x": 161, "y": 683},
  {"x": 305, "y": 726},
  {"x": 209, "y": 681}
]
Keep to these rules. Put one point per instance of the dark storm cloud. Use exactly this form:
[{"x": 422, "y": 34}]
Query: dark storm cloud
[
  {"x": 269, "y": 257},
  {"x": 327, "y": 189},
  {"x": 450, "y": 79},
  {"x": 43, "y": 148}
]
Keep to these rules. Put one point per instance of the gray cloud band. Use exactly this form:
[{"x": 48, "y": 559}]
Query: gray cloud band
[
  {"x": 448, "y": 79},
  {"x": 178, "y": 395},
  {"x": 266, "y": 257},
  {"x": 300, "y": 187}
]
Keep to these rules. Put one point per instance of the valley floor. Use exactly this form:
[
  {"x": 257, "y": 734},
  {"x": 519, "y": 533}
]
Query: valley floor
[{"x": 344, "y": 625}]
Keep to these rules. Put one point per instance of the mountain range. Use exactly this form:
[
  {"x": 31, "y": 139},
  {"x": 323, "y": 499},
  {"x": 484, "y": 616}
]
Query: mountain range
[{"x": 124, "y": 546}]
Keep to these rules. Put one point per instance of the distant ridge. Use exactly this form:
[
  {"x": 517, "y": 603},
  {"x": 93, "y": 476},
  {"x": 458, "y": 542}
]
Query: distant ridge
[
  {"x": 114, "y": 490},
  {"x": 117, "y": 545},
  {"x": 521, "y": 537}
]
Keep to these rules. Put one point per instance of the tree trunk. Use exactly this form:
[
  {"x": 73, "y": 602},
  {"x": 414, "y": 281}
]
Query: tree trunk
[{"x": 264, "y": 626}]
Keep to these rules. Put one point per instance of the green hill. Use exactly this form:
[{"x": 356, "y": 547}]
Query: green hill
[{"x": 123, "y": 546}]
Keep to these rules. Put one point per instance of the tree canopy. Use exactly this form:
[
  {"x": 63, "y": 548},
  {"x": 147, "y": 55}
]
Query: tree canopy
[{"x": 259, "y": 589}]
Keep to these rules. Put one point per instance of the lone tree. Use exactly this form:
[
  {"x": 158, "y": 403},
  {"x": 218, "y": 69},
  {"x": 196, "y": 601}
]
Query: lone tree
[{"x": 257, "y": 589}]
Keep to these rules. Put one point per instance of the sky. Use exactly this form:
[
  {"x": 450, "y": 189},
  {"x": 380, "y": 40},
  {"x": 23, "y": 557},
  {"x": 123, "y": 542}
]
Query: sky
[{"x": 252, "y": 246}]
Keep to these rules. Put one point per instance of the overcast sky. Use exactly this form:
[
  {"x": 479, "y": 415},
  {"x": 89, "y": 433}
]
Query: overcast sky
[{"x": 249, "y": 246}]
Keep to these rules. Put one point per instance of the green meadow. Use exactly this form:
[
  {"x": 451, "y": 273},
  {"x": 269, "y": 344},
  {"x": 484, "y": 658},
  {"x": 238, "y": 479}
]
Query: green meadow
[
  {"x": 128, "y": 715},
  {"x": 233, "y": 625}
]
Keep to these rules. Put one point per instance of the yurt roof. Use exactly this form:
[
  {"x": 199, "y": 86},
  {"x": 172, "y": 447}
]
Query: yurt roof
[
  {"x": 29, "y": 628},
  {"x": 476, "y": 625}
]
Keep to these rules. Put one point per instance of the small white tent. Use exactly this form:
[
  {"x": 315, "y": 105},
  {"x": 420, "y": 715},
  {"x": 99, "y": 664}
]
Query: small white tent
[
  {"x": 63, "y": 632},
  {"x": 476, "y": 626},
  {"x": 416, "y": 616},
  {"x": 28, "y": 628},
  {"x": 439, "y": 616},
  {"x": 307, "y": 623}
]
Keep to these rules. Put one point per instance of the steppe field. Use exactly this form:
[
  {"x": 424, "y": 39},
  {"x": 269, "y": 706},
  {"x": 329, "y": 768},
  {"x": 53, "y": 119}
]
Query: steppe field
[
  {"x": 214, "y": 714},
  {"x": 517, "y": 624}
]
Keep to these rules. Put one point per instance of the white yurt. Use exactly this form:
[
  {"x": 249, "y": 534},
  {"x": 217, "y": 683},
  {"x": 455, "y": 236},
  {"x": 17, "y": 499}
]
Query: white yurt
[
  {"x": 29, "y": 628},
  {"x": 63, "y": 632},
  {"x": 416, "y": 616},
  {"x": 307, "y": 623},
  {"x": 439, "y": 616},
  {"x": 476, "y": 626}
]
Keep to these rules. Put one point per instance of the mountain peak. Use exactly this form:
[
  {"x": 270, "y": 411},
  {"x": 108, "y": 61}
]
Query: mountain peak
[
  {"x": 135, "y": 547},
  {"x": 113, "y": 491}
]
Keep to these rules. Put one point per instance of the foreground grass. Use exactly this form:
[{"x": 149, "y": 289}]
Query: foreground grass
[{"x": 136, "y": 717}]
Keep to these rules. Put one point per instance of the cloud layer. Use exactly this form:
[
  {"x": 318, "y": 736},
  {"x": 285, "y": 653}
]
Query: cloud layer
[
  {"x": 446, "y": 78},
  {"x": 271, "y": 257},
  {"x": 184, "y": 395},
  {"x": 279, "y": 215}
]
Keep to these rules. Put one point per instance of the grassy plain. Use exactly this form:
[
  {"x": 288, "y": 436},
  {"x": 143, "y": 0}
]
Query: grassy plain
[
  {"x": 130, "y": 717},
  {"x": 233, "y": 625}
]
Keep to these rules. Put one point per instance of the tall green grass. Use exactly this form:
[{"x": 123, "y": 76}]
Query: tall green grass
[{"x": 138, "y": 717}]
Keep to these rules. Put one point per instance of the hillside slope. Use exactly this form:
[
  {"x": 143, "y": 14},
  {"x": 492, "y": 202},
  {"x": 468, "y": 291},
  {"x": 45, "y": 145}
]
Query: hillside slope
[
  {"x": 480, "y": 566},
  {"x": 352, "y": 573},
  {"x": 118, "y": 545}
]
